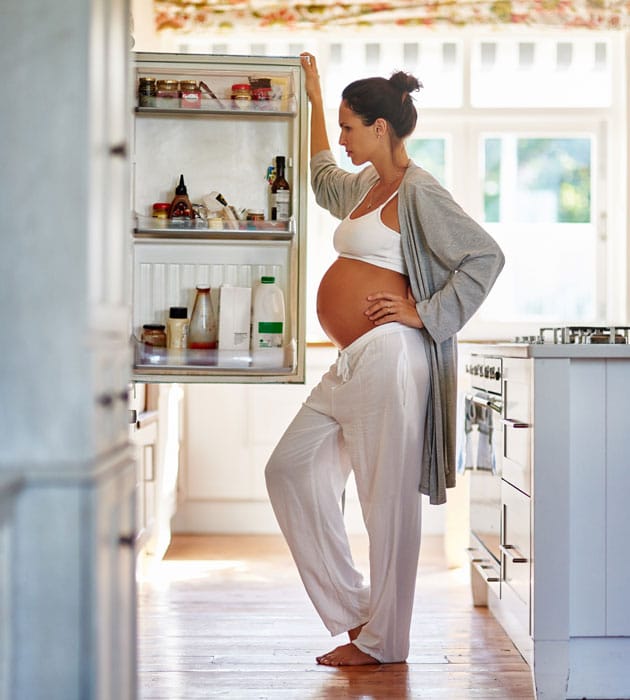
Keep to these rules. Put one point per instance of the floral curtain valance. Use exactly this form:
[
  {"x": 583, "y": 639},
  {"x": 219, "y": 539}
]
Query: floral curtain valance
[{"x": 227, "y": 15}]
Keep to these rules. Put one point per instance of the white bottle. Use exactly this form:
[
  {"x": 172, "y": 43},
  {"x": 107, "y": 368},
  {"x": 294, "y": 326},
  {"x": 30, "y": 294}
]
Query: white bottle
[{"x": 268, "y": 323}]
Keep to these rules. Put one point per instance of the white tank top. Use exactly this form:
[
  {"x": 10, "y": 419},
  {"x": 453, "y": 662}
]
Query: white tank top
[{"x": 367, "y": 238}]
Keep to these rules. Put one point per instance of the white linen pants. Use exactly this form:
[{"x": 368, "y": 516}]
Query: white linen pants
[{"x": 367, "y": 415}]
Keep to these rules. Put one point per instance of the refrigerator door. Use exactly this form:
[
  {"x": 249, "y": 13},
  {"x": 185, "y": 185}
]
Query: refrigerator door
[{"x": 220, "y": 122}]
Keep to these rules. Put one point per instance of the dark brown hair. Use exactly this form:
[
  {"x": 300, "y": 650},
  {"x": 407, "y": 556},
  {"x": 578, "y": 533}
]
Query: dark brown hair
[{"x": 374, "y": 98}]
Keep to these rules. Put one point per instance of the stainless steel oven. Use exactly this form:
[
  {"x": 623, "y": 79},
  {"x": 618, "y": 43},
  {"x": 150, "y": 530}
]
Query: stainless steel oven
[{"x": 483, "y": 453}]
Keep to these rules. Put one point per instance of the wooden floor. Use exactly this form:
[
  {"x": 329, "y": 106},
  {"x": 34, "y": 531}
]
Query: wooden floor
[{"x": 227, "y": 617}]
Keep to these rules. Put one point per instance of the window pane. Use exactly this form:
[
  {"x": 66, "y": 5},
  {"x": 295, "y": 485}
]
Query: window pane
[
  {"x": 554, "y": 177},
  {"x": 491, "y": 188},
  {"x": 431, "y": 155},
  {"x": 537, "y": 203}
]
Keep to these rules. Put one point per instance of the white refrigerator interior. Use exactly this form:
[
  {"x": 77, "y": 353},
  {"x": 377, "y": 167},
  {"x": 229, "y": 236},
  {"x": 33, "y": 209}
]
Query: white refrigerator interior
[{"x": 225, "y": 149}]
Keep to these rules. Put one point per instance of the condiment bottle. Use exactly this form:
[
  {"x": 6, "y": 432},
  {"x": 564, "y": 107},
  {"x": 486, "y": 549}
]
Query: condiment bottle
[
  {"x": 177, "y": 328},
  {"x": 181, "y": 208},
  {"x": 280, "y": 193},
  {"x": 202, "y": 331}
]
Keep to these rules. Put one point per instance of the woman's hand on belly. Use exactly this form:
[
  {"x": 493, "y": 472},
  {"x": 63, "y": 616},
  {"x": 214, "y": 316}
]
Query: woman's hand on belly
[{"x": 386, "y": 307}]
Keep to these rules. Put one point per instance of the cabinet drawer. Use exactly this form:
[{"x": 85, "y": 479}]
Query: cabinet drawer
[
  {"x": 517, "y": 422},
  {"x": 515, "y": 541}
]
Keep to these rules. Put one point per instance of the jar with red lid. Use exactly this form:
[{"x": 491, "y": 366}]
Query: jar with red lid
[
  {"x": 160, "y": 210},
  {"x": 242, "y": 95}
]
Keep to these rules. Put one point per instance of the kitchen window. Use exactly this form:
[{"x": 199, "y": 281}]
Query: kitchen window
[
  {"x": 539, "y": 196},
  {"x": 528, "y": 131}
]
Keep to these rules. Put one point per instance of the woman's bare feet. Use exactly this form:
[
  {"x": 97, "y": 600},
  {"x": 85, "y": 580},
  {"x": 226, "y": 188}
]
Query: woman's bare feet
[{"x": 346, "y": 655}]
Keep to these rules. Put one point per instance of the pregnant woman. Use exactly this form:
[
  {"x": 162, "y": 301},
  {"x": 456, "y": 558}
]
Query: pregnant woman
[{"x": 412, "y": 269}]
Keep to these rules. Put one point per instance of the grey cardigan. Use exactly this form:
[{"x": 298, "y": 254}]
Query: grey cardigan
[{"x": 452, "y": 264}]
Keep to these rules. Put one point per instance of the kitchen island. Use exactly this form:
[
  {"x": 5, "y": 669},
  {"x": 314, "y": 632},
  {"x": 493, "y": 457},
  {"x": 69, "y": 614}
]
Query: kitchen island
[{"x": 562, "y": 594}]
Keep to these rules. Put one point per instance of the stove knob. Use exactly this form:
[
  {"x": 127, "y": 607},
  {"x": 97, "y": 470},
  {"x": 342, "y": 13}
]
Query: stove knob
[{"x": 497, "y": 374}]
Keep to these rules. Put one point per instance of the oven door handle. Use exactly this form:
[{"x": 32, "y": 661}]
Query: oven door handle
[
  {"x": 485, "y": 402},
  {"x": 512, "y": 423}
]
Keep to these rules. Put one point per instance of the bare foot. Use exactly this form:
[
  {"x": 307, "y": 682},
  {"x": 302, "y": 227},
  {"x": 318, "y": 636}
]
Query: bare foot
[
  {"x": 346, "y": 655},
  {"x": 355, "y": 632}
]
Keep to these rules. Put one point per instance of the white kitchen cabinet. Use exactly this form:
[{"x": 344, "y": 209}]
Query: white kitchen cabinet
[
  {"x": 564, "y": 582},
  {"x": 221, "y": 147},
  {"x": 65, "y": 371}
]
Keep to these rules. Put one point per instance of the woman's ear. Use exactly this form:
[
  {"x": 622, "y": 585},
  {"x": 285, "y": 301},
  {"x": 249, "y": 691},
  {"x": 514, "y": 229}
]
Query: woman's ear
[{"x": 380, "y": 127}]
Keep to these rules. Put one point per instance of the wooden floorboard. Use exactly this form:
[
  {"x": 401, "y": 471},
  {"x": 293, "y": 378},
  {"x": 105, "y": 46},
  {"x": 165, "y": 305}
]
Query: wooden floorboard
[{"x": 227, "y": 617}]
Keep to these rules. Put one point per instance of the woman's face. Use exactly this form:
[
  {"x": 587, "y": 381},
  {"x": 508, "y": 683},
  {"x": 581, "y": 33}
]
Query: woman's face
[{"x": 358, "y": 139}]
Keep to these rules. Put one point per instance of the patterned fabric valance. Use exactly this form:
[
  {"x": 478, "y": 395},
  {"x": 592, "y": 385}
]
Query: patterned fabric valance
[{"x": 227, "y": 15}]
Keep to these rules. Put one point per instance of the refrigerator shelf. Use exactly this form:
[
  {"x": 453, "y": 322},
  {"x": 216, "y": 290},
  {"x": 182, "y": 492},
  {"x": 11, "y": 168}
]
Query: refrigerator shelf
[
  {"x": 270, "y": 108},
  {"x": 169, "y": 229},
  {"x": 150, "y": 359}
]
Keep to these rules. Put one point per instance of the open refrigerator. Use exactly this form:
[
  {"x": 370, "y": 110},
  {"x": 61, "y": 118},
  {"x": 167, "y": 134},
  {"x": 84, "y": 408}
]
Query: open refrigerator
[{"x": 225, "y": 146}]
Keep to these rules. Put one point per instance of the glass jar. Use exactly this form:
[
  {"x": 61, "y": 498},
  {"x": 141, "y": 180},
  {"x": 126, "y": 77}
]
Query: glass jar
[
  {"x": 167, "y": 94},
  {"x": 147, "y": 90},
  {"x": 154, "y": 334},
  {"x": 190, "y": 94},
  {"x": 160, "y": 210},
  {"x": 242, "y": 95}
]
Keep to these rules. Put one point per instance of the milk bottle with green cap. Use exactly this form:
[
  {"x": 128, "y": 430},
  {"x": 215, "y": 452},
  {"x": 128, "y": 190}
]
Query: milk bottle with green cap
[{"x": 268, "y": 319}]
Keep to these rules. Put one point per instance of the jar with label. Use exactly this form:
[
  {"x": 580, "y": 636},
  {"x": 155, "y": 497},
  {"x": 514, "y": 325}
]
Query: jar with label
[
  {"x": 177, "y": 328},
  {"x": 154, "y": 334},
  {"x": 242, "y": 95},
  {"x": 261, "y": 93},
  {"x": 147, "y": 91},
  {"x": 190, "y": 95},
  {"x": 167, "y": 94}
]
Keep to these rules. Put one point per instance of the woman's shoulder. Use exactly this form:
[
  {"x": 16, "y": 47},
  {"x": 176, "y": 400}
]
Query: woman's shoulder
[{"x": 418, "y": 177}]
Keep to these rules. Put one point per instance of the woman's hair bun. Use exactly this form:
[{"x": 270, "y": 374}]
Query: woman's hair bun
[{"x": 405, "y": 82}]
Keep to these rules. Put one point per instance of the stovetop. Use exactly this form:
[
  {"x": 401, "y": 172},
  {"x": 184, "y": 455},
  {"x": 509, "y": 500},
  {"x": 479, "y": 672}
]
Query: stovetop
[
  {"x": 579, "y": 335},
  {"x": 579, "y": 342}
]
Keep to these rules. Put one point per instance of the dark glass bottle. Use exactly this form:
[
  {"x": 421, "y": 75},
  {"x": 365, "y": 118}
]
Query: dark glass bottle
[{"x": 280, "y": 193}]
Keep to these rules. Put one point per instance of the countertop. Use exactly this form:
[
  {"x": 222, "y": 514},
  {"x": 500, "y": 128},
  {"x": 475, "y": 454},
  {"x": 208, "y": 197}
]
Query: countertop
[{"x": 548, "y": 350}]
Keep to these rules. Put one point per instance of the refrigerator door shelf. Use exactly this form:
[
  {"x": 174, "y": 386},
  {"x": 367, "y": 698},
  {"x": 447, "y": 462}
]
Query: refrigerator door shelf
[
  {"x": 151, "y": 227},
  {"x": 271, "y": 108}
]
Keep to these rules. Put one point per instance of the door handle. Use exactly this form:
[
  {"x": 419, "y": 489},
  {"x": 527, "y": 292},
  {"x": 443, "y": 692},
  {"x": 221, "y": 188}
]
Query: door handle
[
  {"x": 513, "y": 554},
  {"x": 512, "y": 423}
]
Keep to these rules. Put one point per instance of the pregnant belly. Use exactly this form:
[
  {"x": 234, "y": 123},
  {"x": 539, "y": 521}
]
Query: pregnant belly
[{"x": 342, "y": 297}]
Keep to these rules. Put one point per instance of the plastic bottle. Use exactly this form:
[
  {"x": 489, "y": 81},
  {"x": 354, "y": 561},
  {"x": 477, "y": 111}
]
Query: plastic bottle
[
  {"x": 268, "y": 316},
  {"x": 181, "y": 208},
  {"x": 202, "y": 331},
  {"x": 177, "y": 328}
]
